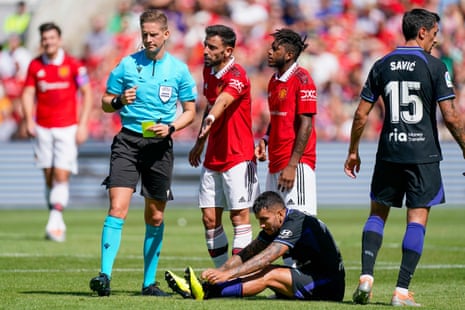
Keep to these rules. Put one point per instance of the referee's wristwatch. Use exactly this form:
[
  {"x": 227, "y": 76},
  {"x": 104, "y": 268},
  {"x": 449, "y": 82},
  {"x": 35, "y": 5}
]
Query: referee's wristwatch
[{"x": 171, "y": 129}]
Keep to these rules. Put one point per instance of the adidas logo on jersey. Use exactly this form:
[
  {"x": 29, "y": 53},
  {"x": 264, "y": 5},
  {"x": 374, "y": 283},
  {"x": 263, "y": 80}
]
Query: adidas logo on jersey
[
  {"x": 290, "y": 202},
  {"x": 242, "y": 199}
]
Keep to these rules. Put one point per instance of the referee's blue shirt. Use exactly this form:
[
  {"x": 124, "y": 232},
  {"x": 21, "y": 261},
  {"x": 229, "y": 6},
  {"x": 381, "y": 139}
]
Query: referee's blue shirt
[{"x": 160, "y": 84}]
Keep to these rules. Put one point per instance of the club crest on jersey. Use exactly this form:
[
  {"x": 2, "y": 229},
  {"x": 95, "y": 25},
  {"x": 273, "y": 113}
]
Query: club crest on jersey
[
  {"x": 165, "y": 93},
  {"x": 63, "y": 71},
  {"x": 219, "y": 88},
  {"x": 282, "y": 93}
]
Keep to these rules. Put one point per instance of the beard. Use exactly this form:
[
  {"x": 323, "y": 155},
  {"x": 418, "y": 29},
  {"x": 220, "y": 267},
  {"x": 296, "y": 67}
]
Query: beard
[
  {"x": 209, "y": 63},
  {"x": 277, "y": 63}
]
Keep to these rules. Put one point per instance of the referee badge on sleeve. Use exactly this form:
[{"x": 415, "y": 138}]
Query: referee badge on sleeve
[{"x": 165, "y": 93}]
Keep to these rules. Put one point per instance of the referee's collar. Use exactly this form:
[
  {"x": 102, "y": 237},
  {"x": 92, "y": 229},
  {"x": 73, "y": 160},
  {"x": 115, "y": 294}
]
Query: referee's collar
[
  {"x": 285, "y": 77},
  {"x": 226, "y": 68}
]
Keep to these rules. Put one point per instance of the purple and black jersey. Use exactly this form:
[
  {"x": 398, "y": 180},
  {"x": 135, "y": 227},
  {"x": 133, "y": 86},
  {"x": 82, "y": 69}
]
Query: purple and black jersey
[
  {"x": 310, "y": 243},
  {"x": 411, "y": 82}
]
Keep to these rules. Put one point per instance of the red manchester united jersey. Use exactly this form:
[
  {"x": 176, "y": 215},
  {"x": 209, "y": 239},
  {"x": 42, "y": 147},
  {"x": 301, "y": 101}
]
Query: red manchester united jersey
[
  {"x": 230, "y": 141},
  {"x": 291, "y": 94},
  {"x": 56, "y": 84}
]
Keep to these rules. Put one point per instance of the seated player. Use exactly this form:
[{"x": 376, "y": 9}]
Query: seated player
[{"x": 318, "y": 275}]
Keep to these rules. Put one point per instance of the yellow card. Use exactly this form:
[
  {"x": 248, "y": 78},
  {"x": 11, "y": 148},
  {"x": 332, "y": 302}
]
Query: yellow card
[{"x": 148, "y": 133}]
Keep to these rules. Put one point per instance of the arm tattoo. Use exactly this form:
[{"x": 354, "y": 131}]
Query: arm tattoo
[
  {"x": 254, "y": 247},
  {"x": 261, "y": 260}
]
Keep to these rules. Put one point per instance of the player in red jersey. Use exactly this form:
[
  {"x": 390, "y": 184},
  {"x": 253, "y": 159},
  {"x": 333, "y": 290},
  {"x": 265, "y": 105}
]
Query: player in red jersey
[
  {"x": 229, "y": 178},
  {"x": 54, "y": 118},
  {"x": 291, "y": 136}
]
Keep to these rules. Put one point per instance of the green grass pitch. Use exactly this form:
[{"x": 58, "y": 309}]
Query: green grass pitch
[{"x": 39, "y": 274}]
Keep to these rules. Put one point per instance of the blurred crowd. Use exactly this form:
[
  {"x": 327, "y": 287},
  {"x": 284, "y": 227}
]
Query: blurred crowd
[{"x": 345, "y": 38}]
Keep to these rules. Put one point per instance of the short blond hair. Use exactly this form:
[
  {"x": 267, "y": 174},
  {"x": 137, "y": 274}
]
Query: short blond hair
[{"x": 154, "y": 16}]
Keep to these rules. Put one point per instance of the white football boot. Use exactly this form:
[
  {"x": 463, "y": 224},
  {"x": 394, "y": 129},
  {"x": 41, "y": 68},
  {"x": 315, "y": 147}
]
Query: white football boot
[{"x": 56, "y": 228}]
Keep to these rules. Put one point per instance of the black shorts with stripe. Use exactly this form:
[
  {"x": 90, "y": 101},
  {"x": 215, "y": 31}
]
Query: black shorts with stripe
[
  {"x": 315, "y": 285},
  {"x": 420, "y": 184},
  {"x": 150, "y": 159}
]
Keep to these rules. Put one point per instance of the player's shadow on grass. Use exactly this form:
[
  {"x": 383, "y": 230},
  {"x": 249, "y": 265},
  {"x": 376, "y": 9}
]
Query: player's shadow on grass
[
  {"x": 86, "y": 293},
  {"x": 351, "y": 303},
  {"x": 293, "y": 301},
  {"x": 251, "y": 298},
  {"x": 57, "y": 293}
]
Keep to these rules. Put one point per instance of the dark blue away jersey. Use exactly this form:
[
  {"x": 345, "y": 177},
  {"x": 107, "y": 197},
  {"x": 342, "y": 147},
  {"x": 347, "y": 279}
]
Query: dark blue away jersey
[
  {"x": 310, "y": 243},
  {"x": 410, "y": 82}
]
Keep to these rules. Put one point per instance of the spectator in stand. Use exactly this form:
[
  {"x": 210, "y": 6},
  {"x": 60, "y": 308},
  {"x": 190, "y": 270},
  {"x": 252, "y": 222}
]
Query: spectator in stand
[
  {"x": 345, "y": 27},
  {"x": 123, "y": 11},
  {"x": 7, "y": 122},
  {"x": 98, "y": 42},
  {"x": 125, "y": 39},
  {"x": 7, "y": 69},
  {"x": 21, "y": 56},
  {"x": 55, "y": 121},
  {"x": 18, "y": 22},
  {"x": 21, "y": 59}
]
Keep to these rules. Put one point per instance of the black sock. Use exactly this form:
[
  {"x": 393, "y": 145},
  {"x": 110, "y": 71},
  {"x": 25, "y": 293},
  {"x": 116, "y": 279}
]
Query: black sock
[
  {"x": 410, "y": 261},
  {"x": 371, "y": 243},
  {"x": 412, "y": 248}
]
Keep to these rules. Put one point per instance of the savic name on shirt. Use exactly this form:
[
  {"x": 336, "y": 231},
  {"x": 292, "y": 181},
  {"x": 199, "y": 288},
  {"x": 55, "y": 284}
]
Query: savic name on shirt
[{"x": 411, "y": 85}]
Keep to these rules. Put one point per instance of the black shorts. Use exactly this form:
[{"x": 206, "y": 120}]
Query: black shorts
[
  {"x": 151, "y": 159},
  {"x": 317, "y": 286},
  {"x": 421, "y": 184}
]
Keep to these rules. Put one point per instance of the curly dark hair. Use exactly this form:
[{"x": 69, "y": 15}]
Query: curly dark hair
[{"x": 291, "y": 40}]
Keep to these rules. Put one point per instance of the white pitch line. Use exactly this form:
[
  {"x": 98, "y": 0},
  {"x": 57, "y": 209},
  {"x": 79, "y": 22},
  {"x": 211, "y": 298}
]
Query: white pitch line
[
  {"x": 435, "y": 266},
  {"x": 35, "y": 255},
  {"x": 429, "y": 267},
  {"x": 86, "y": 270}
]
